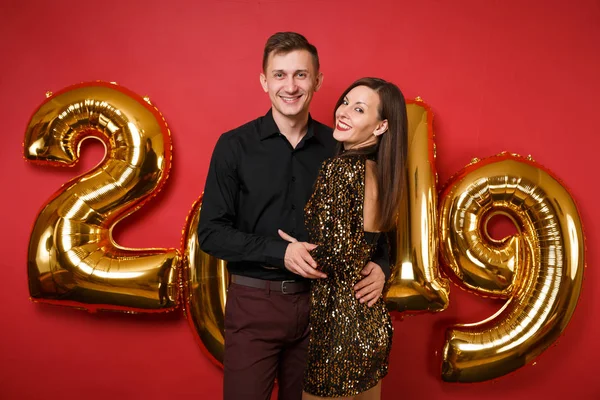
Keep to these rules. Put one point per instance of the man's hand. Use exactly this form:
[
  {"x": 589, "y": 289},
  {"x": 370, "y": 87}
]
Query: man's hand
[
  {"x": 369, "y": 288},
  {"x": 298, "y": 259}
]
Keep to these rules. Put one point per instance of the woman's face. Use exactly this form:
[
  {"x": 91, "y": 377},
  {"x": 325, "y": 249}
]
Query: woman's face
[{"x": 357, "y": 122}]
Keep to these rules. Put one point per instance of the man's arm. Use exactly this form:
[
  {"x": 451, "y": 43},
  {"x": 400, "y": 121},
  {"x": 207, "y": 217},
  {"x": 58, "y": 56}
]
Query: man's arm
[
  {"x": 216, "y": 232},
  {"x": 382, "y": 255}
]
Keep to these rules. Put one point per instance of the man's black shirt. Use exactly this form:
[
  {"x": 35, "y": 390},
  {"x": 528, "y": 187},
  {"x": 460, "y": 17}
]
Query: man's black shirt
[{"x": 258, "y": 183}]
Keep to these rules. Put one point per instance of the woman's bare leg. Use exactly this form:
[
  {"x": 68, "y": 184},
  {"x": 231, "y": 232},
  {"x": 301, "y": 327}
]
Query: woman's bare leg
[
  {"x": 372, "y": 394},
  {"x": 306, "y": 396}
]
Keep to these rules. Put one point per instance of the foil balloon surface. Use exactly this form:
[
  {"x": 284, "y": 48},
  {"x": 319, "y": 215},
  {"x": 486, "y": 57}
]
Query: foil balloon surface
[
  {"x": 416, "y": 284},
  {"x": 205, "y": 290},
  {"x": 539, "y": 270},
  {"x": 72, "y": 258}
]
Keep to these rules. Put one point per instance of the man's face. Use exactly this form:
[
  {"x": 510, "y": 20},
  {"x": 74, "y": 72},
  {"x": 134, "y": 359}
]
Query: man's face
[{"x": 291, "y": 79}]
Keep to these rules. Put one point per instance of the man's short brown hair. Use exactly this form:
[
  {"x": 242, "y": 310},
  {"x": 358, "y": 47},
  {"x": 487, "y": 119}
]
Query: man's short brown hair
[{"x": 286, "y": 42}]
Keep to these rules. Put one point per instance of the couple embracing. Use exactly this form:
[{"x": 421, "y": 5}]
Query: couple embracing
[{"x": 300, "y": 213}]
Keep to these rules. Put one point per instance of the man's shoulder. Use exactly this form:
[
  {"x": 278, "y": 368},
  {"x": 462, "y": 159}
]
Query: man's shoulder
[
  {"x": 324, "y": 133},
  {"x": 322, "y": 128},
  {"x": 244, "y": 129},
  {"x": 249, "y": 131}
]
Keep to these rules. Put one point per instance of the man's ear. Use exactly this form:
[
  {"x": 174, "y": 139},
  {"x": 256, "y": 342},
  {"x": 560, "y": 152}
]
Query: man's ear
[
  {"x": 381, "y": 128},
  {"x": 263, "y": 82},
  {"x": 319, "y": 81}
]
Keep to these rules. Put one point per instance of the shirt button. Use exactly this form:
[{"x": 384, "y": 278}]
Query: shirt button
[
  {"x": 293, "y": 179},
  {"x": 293, "y": 206},
  {"x": 293, "y": 231}
]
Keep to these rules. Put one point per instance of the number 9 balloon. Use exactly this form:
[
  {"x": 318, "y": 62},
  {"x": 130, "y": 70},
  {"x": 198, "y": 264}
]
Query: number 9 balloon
[
  {"x": 72, "y": 259},
  {"x": 539, "y": 270}
]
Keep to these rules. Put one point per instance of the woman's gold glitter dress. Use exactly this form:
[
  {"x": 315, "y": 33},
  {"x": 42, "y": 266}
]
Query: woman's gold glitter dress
[{"x": 349, "y": 342}]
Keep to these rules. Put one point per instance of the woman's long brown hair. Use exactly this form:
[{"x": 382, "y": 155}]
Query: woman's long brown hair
[{"x": 390, "y": 150}]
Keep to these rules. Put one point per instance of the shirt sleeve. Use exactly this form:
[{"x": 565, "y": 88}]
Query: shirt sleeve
[
  {"x": 217, "y": 234},
  {"x": 381, "y": 256}
]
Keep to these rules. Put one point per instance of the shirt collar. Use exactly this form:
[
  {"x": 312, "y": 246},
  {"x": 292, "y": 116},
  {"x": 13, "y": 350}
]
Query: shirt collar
[{"x": 268, "y": 127}]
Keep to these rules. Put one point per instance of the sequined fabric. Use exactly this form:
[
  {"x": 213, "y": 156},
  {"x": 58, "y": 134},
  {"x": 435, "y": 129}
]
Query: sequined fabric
[{"x": 349, "y": 342}]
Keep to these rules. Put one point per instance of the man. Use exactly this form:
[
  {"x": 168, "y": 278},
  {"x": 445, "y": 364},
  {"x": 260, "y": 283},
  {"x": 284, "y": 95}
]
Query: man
[{"x": 260, "y": 177}]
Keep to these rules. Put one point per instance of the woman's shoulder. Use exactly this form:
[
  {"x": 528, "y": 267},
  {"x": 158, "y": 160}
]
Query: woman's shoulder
[
  {"x": 344, "y": 164},
  {"x": 344, "y": 170}
]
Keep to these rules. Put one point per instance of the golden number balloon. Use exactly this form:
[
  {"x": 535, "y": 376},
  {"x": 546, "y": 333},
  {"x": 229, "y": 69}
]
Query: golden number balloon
[
  {"x": 416, "y": 284},
  {"x": 205, "y": 290},
  {"x": 72, "y": 259},
  {"x": 539, "y": 270}
]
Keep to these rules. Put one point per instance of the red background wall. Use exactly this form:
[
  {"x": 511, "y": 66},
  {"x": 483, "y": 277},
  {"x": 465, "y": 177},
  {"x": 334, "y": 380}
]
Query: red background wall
[{"x": 508, "y": 75}]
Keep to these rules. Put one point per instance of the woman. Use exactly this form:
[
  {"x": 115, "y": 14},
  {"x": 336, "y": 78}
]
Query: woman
[{"x": 354, "y": 201}]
